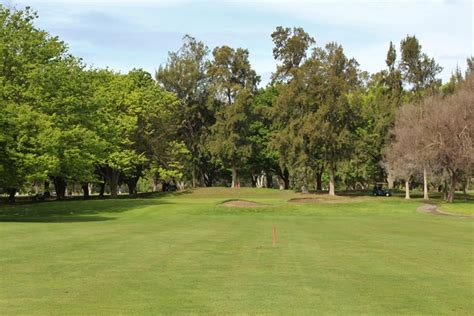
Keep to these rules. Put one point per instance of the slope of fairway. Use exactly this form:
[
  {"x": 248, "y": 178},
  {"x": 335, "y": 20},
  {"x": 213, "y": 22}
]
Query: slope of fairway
[{"x": 187, "y": 253}]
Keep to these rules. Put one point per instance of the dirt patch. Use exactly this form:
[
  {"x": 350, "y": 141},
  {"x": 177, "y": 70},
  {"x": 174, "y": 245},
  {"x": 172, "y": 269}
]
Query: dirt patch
[
  {"x": 434, "y": 210},
  {"x": 319, "y": 200},
  {"x": 242, "y": 203}
]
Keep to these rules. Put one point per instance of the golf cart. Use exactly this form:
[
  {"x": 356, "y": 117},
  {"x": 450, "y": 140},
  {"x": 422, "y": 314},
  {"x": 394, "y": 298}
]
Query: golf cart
[{"x": 380, "y": 189}]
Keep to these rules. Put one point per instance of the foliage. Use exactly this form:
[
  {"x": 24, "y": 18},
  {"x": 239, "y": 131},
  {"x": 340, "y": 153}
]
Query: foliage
[
  {"x": 203, "y": 116},
  {"x": 233, "y": 85}
]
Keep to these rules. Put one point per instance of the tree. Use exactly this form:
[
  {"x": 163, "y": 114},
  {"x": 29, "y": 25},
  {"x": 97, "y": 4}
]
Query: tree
[
  {"x": 335, "y": 119},
  {"x": 185, "y": 75},
  {"x": 312, "y": 110},
  {"x": 290, "y": 51},
  {"x": 172, "y": 168},
  {"x": 470, "y": 66},
  {"x": 378, "y": 102},
  {"x": 402, "y": 157},
  {"x": 134, "y": 116},
  {"x": 449, "y": 137},
  {"x": 420, "y": 71},
  {"x": 417, "y": 68},
  {"x": 155, "y": 127},
  {"x": 115, "y": 128},
  {"x": 66, "y": 94},
  {"x": 291, "y": 46},
  {"x": 233, "y": 83},
  {"x": 263, "y": 163},
  {"x": 444, "y": 136},
  {"x": 24, "y": 147},
  {"x": 25, "y": 51}
]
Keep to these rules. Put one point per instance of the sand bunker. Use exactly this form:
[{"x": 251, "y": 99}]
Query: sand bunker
[
  {"x": 242, "y": 203},
  {"x": 434, "y": 210}
]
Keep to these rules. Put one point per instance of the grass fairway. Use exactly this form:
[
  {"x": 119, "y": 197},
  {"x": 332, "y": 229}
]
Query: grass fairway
[{"x": 186, "y": 254}]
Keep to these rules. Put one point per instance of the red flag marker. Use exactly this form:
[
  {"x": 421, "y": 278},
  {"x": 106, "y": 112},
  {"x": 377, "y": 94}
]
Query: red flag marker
[{"x": 274, "y": 235}]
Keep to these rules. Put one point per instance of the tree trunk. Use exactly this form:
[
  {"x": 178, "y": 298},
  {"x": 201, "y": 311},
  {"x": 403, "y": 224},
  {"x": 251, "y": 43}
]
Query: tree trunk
[
  {"x": 425, "y": 184},
  {"x": 319, "y": 180},
  {"x": 254, "y": 180},
  {"x": 234, "y": 175},
  {"x": 60, "y": 187},
  {"x": 286, "y": 179},
  {"x": 46, "y": 192},
  {"x": 113, "y": 183},
  {"x": 207, "y": 180},
  {"x": 262, "y": 180},
  {"x": 304, "y": 189},
  {"x": 445, "y": 190},
  {"x": 304, "y": 185},
  {"x": 85, "y": 190},
  {"x": 407, "y": 190},
  {"x": 102, "y": 190},
  {"x": 11, "y": 195},
  {"x": 331, "y": 181},
  {"x": 112, "y": 177},
  {"x": 269, "y": 180},
  {"x": 155, "y": 184},
  {"x": 193, "y": 174},
  {"x": 452, "y": 188},
  {"x": 132, "y": 185},
  {"x": 390, "y": 181},
  {"x": 465, "y": 188}
]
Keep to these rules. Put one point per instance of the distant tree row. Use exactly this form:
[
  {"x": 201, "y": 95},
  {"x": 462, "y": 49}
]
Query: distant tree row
[{"x": 321, "y": 123}]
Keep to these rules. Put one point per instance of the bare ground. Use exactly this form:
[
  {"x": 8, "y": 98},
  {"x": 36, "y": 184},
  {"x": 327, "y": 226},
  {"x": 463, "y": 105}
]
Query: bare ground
[
  {"x": 319, "y": 200},
  {"x": 435, "y": 210},
  {"x": 242, "y": 203}
]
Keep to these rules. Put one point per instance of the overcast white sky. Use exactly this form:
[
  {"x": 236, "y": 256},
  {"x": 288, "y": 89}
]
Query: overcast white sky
[{"x": 130, "y": 34}]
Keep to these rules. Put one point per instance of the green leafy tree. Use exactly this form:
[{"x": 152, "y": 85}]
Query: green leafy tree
[
  {"x": 185, "y": 75},
  {"x": 263, "y": 162},
  {"x": 116, "y": 127},
  {"x": 67, "y": 97},
  {"x": 26, "y": 135},
  {"x": 177, "y": 160},
  {"x": 134, "y": 123}
]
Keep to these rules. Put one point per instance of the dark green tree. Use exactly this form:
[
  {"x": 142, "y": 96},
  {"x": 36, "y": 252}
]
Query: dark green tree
[
  {"x": 417, "y": 69},
  {"x": 330, "y": 126},
  {"x": 233, "y": 83},
  {"x": 291, "y": 104}
]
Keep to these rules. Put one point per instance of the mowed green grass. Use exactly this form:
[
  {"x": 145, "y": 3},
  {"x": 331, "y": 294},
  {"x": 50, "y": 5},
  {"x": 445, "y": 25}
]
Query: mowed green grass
[{"x": 187, "y": 254}]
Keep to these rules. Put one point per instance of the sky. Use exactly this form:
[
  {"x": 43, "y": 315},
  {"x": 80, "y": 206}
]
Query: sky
[{"x": 123, "y": 35}]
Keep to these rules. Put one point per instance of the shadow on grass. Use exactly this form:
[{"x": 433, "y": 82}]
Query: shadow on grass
[
  {"x": 414, "y": 194},
  {"x": 72, "y": 210},
  {"x": 26, "y": 200},
  {"x": 54, "y": 219}
]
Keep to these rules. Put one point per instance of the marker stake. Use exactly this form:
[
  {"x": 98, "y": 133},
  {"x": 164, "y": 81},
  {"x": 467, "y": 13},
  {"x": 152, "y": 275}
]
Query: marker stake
[{"x": 274, "y": 235}]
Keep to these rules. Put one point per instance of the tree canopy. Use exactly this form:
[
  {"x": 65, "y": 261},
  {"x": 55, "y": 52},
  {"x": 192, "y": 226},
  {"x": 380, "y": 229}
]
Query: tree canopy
[{"x": 204, "y": 118}]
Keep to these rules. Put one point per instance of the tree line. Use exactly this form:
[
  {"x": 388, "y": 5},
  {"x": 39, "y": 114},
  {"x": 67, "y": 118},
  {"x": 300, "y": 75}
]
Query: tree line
[{"x": 202, "y": 120}]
